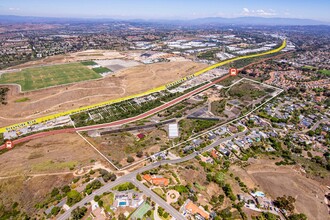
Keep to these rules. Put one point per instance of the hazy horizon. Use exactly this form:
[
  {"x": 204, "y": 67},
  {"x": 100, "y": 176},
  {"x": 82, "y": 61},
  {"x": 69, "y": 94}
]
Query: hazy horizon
[{"x": 167, "y": 10}]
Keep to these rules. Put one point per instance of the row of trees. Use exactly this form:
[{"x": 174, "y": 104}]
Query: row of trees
[{"x": 3, "y": 95}]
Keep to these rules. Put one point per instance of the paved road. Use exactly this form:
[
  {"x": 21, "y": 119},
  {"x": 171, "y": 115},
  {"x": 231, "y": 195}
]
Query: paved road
[
  {"x": 155, "y": 110},
  {"x": 132, "y": 178},
  {"x": 154, "y": 197},
  {"x": 105, "y": 188},
  {"x": 41, "y": 134},
  {"x": 123, "y": 121}
]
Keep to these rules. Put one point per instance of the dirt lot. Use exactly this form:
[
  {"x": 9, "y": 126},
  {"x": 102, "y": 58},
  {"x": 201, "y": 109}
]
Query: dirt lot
[
  {"x": 205, "y": 190},
  {"x": 73, "y": 57},
  {"x": 31, "y": 170},
  {"x": 121, "y": 145},
  {"x": 51, "y": 154},
  {"x": 28, "y": 192},
  {"x": 126, "y": 82},
  {"x": 285, "y": 180}
]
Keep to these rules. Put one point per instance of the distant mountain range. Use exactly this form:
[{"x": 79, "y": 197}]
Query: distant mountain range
[
  {"x": 258, "y": 21},
  {"x": 199, "y": 21}
]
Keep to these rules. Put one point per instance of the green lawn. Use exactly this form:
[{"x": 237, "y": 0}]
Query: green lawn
[
  {"x": 159, "y": 192},
  {"x": 101, "y": 70},
  {"x": 108, "y": 201},
  {"x": 124, "y": 187},
  {"x": 88, "y": 63},
  {"x": 42, "y": 77},
  {"x": 325, "y": 72}
]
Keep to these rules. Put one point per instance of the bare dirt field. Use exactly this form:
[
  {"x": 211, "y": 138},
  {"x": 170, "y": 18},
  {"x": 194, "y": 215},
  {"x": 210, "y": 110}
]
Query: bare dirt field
[
  {"x": 285, "y": 180},
  {"x": 52, "y": 154},
  {"x": 117, "y": 64},
  {"x": 125, "y": 82},
  {"x": 73, "y": 57},
  {"x": 117, "y": 147},
  {"x": 27, "y": 192}
]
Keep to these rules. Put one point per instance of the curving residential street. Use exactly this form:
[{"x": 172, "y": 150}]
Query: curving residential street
[{"x": 132, "y": 178}]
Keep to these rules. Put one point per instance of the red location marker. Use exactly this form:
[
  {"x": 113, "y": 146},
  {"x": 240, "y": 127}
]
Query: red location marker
[
  {"x": 233, "y": 71},
  {"x": 9, "y": 144}
]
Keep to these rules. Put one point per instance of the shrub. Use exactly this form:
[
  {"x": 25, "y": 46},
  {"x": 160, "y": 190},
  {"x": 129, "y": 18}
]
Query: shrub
[
  {"x": 73, "y": 197},
  {"x": 130, "y": 159},
  {"x": 55, "y": 210},
  {"x": 66, "y": 189},
  {"x": 54, "y": 192},
  {"x": 78, "y": 213}
]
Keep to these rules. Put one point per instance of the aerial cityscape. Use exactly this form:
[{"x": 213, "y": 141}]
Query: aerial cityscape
[{"x": 160, "y": 110}]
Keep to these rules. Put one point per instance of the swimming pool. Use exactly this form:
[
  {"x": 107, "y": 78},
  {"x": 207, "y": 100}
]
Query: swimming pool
[{"x": 122, "y": 203}]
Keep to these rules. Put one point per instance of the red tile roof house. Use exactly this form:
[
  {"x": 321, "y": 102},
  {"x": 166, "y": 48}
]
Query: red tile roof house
[
  {"x": 194, "y": 209},
  {"x": 157, "y": 181},
  {"x": 214, "y": 154},
  {"x": 160, "y": 181},
  {"x": 147, "y": 177}
]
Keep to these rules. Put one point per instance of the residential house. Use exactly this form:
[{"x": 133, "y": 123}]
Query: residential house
[
  {"x": 224, "y": 151},
  {"x": 197, "y": 142},
  {"x": 193, "y": 209},
  {"x": 187, "y": 148},
  {"x": 232, "y": 129},
  {"x": 214, "y": 154},
  {"x": 140, "y": 136},
  {"x": 128, "y": 198},
  {"x": 247, "y": 199},
  {"x": 98, "y": 214},
  {"x": 156, "y": 180},
  {"x": 206, "y": 159},
  {"x": 265, "y": 203},
  {"x": 211, "y": 136}
]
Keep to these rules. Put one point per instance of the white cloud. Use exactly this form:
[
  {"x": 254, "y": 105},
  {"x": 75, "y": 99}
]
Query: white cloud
[
  {"x": 258, "y": 12},
  {"x": 14, "y": 9},
  {"x": 246, "y": 10},
  {"x": 265, "y": 13}
]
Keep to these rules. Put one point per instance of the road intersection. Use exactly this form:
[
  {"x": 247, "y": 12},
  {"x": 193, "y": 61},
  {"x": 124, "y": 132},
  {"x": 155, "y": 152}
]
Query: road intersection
[{"x": 131, "y": 177}]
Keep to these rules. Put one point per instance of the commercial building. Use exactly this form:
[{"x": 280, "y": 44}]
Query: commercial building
[{"x": 173, "y": 131}]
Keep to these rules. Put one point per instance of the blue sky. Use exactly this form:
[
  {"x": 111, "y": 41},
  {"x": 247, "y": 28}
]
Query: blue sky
[{"x": 168, "y": 9}]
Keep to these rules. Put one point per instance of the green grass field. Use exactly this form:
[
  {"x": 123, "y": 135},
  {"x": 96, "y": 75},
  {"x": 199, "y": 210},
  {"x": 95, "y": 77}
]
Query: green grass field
[
  {"x": 101, "y": 70},
  {"x": 88, "y": 63},
  {"x": 108, "y": 201},
  {"x": 43, "y": 77},
  {"x": 325, "y": 72}
]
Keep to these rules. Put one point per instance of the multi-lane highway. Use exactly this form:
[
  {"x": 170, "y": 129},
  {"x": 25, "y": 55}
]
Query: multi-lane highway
[{"x": 123, "y": 121}]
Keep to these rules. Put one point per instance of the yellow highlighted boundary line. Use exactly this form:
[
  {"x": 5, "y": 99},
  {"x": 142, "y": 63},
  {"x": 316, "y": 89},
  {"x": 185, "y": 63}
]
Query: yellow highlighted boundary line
[{"x": 158, "y": 89}]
